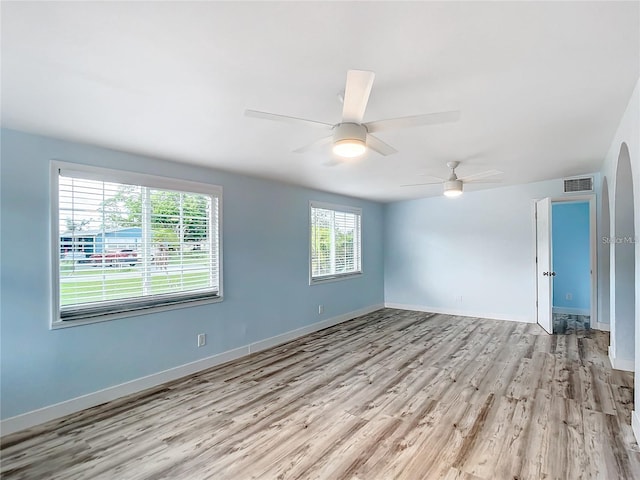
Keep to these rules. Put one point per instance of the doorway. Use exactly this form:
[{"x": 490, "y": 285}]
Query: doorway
[
  {"x": 571, "y": 262},
  {"x": 623, "y": 261},
  {"x": 604, "y": 261},
  {"x": 566, "y": 279}
]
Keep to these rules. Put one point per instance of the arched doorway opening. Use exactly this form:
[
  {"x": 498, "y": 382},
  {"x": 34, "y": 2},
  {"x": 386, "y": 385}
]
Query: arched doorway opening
[
  {"x": 605, "y": 256},
  {"x": 623, "y": 260}
]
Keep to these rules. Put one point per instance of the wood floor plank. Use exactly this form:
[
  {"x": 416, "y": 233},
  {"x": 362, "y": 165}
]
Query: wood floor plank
[{"x": 390, "y": 395}]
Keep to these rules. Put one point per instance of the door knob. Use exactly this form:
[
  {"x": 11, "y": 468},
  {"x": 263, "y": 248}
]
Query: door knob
[{"x": 553, "y": 274}]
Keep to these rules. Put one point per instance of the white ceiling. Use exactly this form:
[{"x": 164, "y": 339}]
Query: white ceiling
[{"x": 541, "y": 85}]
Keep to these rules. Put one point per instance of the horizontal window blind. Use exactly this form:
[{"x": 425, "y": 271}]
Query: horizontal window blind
[
  {"x": 126, "y": 247},
  {"x": 335, "y": 241}
]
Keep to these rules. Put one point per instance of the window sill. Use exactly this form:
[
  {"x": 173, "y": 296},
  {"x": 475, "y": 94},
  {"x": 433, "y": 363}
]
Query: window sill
[
  {"x": 57, "y": 323},
  {"x": 334, "y": 278}
]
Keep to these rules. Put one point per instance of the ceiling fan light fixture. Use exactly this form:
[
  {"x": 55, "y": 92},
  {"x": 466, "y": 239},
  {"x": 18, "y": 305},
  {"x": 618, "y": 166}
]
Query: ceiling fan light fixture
[
  {"x": 349, "y": 148},
  {"x": 349, "y": 140},
  {"x": 453, "y": 188}
]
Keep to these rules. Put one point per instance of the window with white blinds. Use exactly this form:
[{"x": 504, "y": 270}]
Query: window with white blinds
[
  {"x": 336, "y": 244},
  {"x": 129, "y": 242}
]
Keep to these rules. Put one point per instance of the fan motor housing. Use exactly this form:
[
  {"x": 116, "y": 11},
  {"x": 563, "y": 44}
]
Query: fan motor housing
[
  {"x": 349, "y": 131},
  {"x": 453, "y": 187}
]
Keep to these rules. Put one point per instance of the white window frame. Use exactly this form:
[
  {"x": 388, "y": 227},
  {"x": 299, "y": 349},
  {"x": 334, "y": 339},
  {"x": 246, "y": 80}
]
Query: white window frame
[
  {"x": 133, "y": 178},
  {"x": 338, "y": 276}
]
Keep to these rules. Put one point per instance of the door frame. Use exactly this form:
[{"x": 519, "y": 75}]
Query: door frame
[{"x": 593, "y": 249}]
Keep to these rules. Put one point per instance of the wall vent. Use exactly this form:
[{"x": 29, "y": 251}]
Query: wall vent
[{"x": 578, "y": 185}]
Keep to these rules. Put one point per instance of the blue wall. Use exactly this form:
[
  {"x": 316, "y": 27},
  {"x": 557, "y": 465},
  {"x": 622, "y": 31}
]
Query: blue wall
[
  {"x": 266, "y": 258},
  {"x": 571, "y": 257}
]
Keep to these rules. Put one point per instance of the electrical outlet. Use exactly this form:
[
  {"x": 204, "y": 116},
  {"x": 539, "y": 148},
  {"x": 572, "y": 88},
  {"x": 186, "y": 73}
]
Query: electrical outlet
[
  {"x": 202, "y": 339},
  {"x": 320, "y": 309},
  {"x": 569, "y": 296}
]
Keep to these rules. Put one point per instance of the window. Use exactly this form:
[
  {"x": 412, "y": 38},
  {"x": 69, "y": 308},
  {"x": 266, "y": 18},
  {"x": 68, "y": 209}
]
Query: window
[
  {"x": 125, "y": 243},
  {"x": 336, "y": 246}
]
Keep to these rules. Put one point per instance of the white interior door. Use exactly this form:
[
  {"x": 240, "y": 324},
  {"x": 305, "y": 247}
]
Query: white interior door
[{"x": 544, "y": 272}]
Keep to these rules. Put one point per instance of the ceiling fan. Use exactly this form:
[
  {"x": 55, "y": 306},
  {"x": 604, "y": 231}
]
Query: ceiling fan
[
  {"x": 452, "y": 185},
  {"x": 351, "y": 137}
]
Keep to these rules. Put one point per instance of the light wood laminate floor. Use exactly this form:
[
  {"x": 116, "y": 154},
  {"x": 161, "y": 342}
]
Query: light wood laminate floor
[{"x": 390, "y": 395}]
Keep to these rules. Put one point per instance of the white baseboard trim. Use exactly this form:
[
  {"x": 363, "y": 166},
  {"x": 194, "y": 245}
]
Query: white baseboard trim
[
  {"x": 461, "y": 313},
  {"x": 611, "y": 357},
  {"x": 51, "y": 412},
  {"x": 620, "y": 364},
  {"x": 314, "y": 327},
  {"x": 57, "y": 410},
  {"x": 571, "y": 311},
  {"x": 605, "y": 327},
  {"x": 635, "y": 425}
]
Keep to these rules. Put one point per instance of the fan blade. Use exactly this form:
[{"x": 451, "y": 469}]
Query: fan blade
[
  {"x": 432, "y": 176},
  {"x": 379, "y": 146},
  {"x": 478, "y": 176},
  {"x": 413, "y": 121},
  {"x": 314, "y": 145},
  {"x": 420, "y": 184},
  {"x": 287, "y": 119},
  {"x": 476, "y": 182},
  {"x": 356, "y": 95},
  {"x": 333, "y": 163}
]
